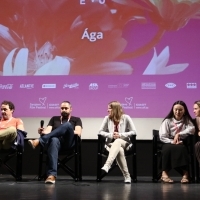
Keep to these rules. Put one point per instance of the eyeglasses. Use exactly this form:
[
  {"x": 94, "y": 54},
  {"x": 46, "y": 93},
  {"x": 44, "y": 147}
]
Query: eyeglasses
[{"x": 64, "y": 108}]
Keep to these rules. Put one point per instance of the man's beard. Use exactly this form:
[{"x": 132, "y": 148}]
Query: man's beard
[{"x": 65, "y": 115}]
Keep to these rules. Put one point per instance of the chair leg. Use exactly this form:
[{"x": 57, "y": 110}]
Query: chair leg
[
  {"x": 99, "y": 165},
  {"x": 19, "y": 166},
  {"x": 134, "y": 177},
  {"x": 80, "y": 166},
  {"x": 155, "y": 165},
  {"x": 197, "y": 171},
  {"x": 40, "y": 176},
  {"x": 76, "y": 178}
]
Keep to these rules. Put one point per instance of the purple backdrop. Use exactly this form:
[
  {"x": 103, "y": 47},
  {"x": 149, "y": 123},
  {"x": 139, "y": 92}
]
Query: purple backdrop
[{"x": 90, "y": 74}]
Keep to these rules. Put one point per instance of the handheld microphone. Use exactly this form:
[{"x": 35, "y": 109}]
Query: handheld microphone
[{"x": 41, "y": 123}]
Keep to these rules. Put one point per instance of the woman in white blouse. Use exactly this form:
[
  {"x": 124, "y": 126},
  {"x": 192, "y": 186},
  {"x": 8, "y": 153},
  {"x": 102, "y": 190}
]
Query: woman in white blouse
[
  {"x": 117, "y": 128},
  {"x": 176, "y": 126}
]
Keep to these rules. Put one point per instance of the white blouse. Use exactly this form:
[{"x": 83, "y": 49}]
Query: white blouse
[{"x": 170, "y": 127}]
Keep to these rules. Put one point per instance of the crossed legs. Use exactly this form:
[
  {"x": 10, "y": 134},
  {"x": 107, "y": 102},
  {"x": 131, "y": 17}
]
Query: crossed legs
[{"x": 7, "y": 136}]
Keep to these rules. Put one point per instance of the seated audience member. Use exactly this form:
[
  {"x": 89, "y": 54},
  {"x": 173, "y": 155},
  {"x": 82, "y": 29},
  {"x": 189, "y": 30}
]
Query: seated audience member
[
  {"x": 176, "y": 126},
  {"x": 8, "y": 125},
  {"x": 197, "y": 123},
  {"x": 59, "y": 134},
  {"x": 117, "y": 127}
]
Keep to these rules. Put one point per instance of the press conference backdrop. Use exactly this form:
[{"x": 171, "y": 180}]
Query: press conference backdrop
[{"x": 144, "y": 54}]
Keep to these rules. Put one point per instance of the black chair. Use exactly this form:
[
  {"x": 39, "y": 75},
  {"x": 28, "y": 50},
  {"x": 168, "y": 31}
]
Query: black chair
[
  {"x": 13, "y": 156},
  {"x": 64, "y": 157},
  {"x": 197, "y": 139},
  {"x": 157, "y": 156},
  {"x": 103, "y": 153}
]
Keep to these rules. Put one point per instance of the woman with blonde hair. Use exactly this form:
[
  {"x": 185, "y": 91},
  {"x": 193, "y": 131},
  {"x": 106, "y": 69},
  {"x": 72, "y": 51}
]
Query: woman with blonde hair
[
  {"x": 196, "y": 108},
  {"x": 117, "y": 128}
]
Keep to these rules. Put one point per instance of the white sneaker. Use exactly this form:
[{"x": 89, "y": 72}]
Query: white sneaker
[
  {"x": 105, "y": 168},
  {"x": 127, "y": 179}
]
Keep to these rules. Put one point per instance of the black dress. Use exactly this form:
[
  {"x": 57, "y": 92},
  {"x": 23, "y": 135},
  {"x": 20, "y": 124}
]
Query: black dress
[{"x": 174, "y": 156}]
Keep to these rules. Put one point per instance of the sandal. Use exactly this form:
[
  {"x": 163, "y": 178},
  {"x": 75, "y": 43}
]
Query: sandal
[
  {"x": 166, "y": 180},
  {"x": 184, "y": 180}
]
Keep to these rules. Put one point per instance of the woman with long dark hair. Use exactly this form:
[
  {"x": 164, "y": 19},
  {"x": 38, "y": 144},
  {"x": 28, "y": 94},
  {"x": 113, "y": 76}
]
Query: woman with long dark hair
[
  {"x": 196, "y": 108},
  {"x": 117, "y": 128},
  {"x": 176, "y": 126}
]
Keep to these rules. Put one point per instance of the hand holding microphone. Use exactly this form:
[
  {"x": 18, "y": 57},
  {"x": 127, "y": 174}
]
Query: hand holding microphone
[{"x": 40, "y": 130}]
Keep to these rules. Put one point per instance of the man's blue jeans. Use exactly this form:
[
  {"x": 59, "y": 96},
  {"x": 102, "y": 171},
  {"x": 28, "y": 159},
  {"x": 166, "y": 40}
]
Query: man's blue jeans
[{"x": 54, "y": 143}]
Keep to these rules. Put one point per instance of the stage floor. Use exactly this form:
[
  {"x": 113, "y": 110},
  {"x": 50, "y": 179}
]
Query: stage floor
[{"x": 110, "y": 188}]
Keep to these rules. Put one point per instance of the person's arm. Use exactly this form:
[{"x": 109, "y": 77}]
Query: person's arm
[
  {"x": 189, "y": 129},
  {"x": 78, "y": 130},
  {"x": 48, "y": 129},
  {"x": 129, "y": 128},
  {"x": 198, "y": 125},
  {"x": 104, "y": 129},
  {"x": 20, "y": 125},
  {"x": 164, "y": 132},
  {"x": 78, "y": 127}
]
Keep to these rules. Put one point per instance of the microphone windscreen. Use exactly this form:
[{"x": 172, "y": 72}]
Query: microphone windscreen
[{"x": 41, "y": 123}]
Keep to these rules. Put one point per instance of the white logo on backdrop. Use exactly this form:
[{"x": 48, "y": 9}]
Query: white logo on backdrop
[
  {"x": 170, "y": 85},
  {"x": 26, "y": 86},
  {"x": 45, "y": 86},
  {"x": 191, "y": 85},
  {"x": 129, "y": 100},
  {"x": 42, "y": 104},
  {"x": 6, "y": 87},
  {"x": 148, "y": 85},
  {"x": 71, "y": 86},
  {"x": 141, "y": 106},
  {"x": 93, "y": 86},
  {"x": 42, "y": 100},
  {"x": 119, "y": 86},
  {"x": 128, "y": 103}
]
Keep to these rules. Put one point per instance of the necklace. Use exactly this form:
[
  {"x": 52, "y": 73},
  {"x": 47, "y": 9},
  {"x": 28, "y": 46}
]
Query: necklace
[{"x": 61, "y": 121}]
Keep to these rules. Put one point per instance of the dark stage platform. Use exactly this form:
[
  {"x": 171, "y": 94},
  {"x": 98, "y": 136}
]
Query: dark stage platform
[{"x": 111, "y": 188}]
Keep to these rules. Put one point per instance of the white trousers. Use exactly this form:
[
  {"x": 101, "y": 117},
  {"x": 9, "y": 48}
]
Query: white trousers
[{"x": 116, "y": 151}]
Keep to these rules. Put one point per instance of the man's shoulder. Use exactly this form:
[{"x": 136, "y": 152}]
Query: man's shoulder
[
  {"x": 73, "y": 118},
  {"x": 17, "y": 119},
  {"x": 55, "y": 117}
]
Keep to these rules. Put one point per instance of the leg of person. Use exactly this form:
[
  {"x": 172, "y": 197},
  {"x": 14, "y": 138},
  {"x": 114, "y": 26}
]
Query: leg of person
[
  {"x": 185, "y": 178},
  {"x": 166, "y": 163},
  {"x": 52, "y": 152},
  {"x": 121, "y": 161},
  {"x": 113, "y": 152},
  {"x": 65, "y": 130},
  {"x": 7, "y": 136},
  {"x": 197, "y": 151},
  {"x": 180, "y": 161}
]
